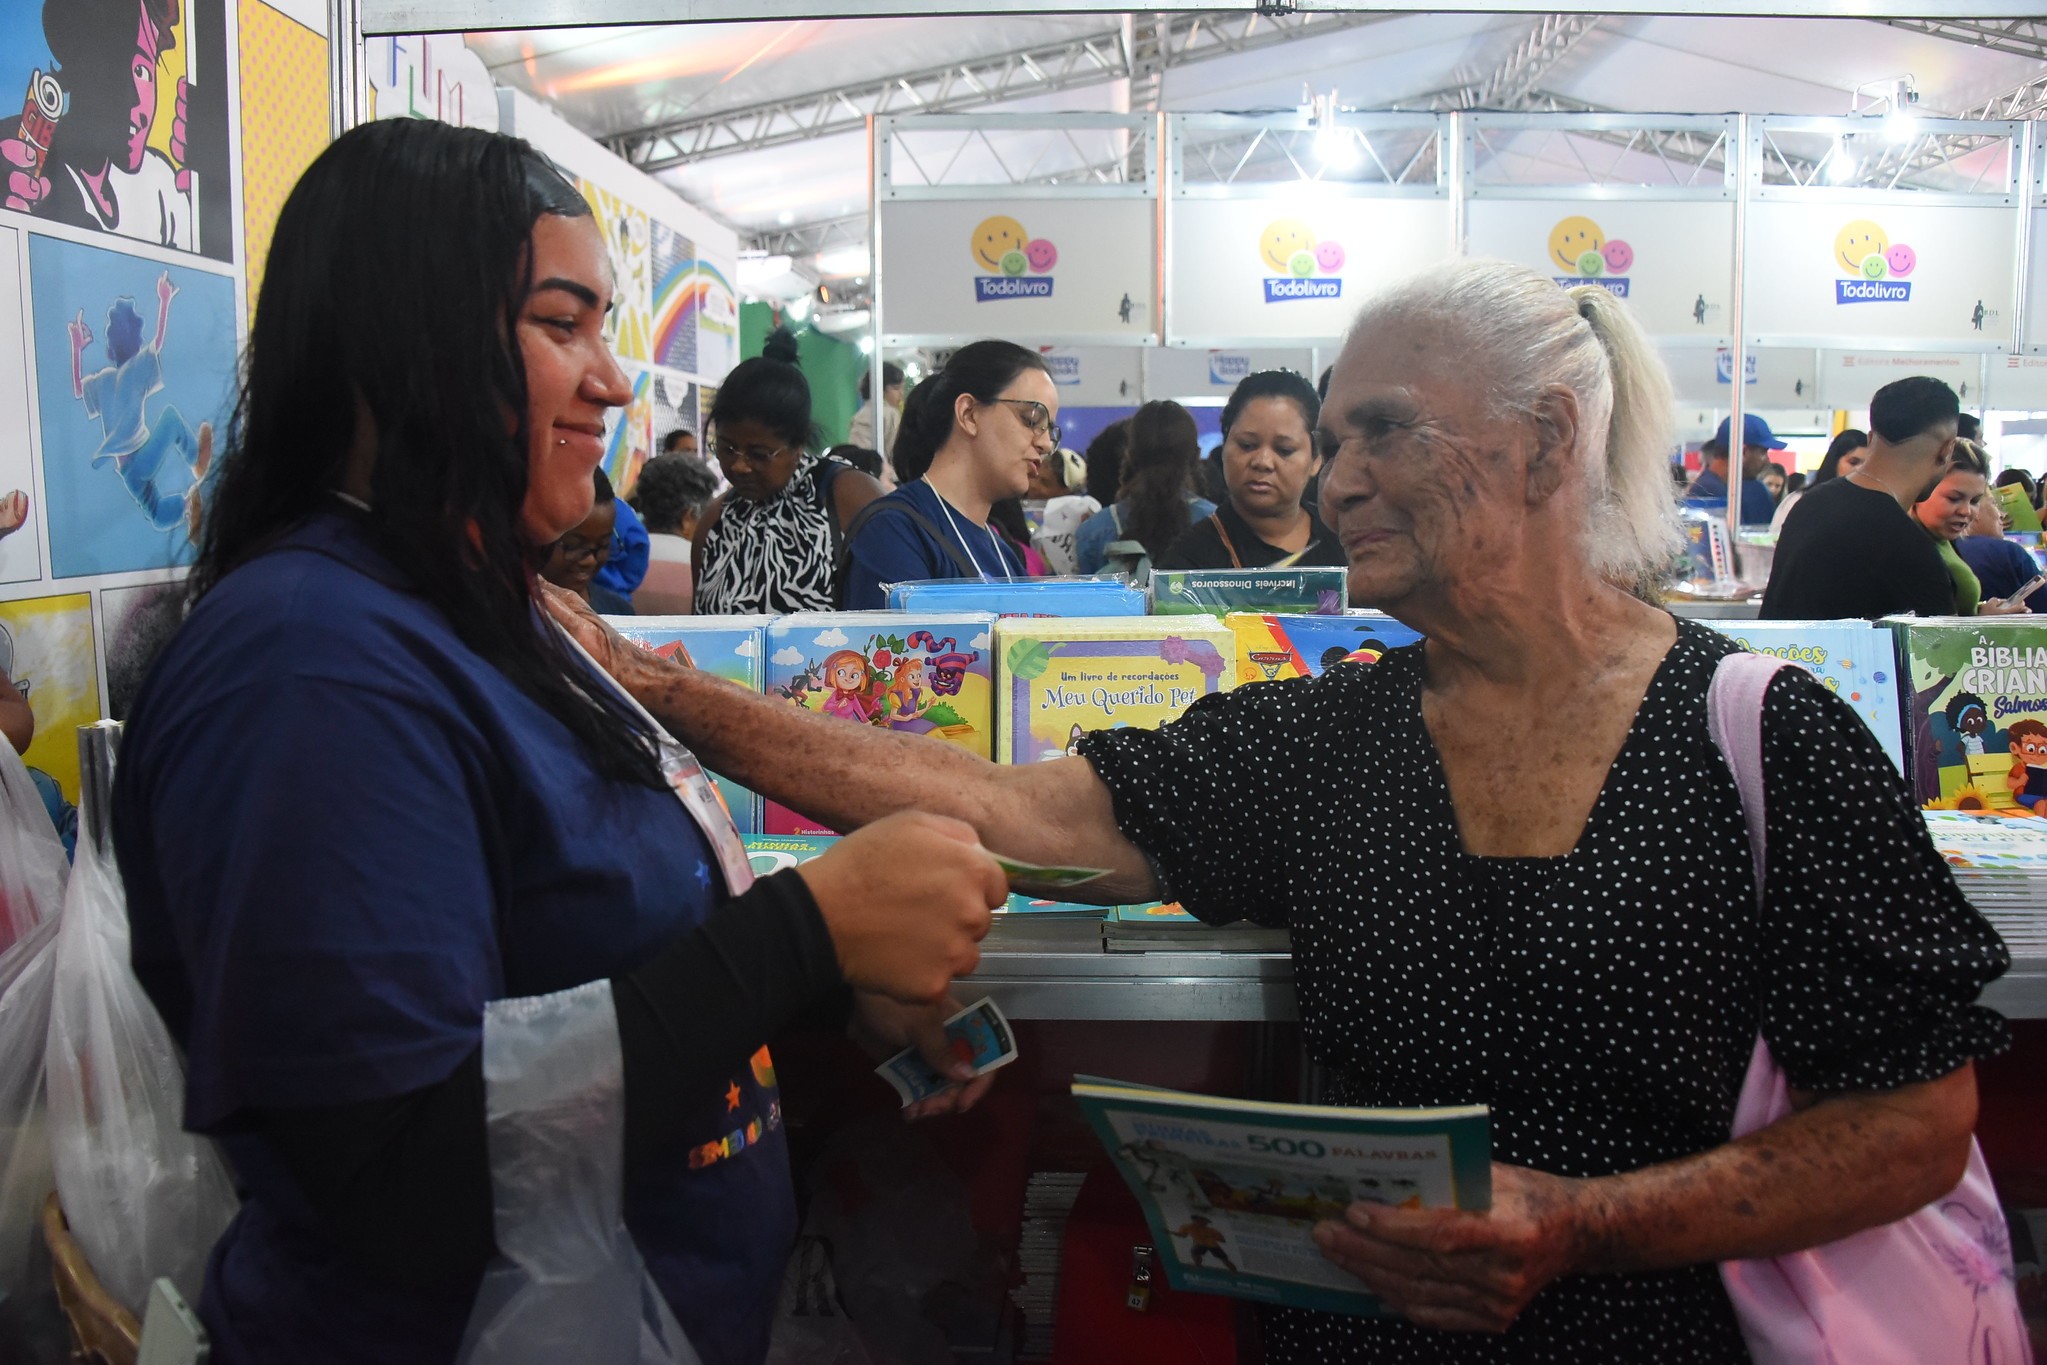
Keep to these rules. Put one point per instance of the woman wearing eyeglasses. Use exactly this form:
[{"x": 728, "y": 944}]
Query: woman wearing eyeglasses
[
  {"x": 973, "y": 434},
  {"x": 772, "y": 543},
  {"x": 578, "y": 557}
]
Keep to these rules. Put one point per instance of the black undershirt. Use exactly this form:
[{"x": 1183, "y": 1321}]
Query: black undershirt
[
  {"x": 1202, "y": 545},
  {"x": 404, "y": 1182}
]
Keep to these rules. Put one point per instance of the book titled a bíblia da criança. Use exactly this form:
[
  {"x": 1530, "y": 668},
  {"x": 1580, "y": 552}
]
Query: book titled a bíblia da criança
[{"x": 1232, "y": 1189}]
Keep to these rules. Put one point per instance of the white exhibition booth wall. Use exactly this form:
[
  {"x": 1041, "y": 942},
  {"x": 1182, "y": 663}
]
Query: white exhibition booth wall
[{"x": 1834, "y": 290}]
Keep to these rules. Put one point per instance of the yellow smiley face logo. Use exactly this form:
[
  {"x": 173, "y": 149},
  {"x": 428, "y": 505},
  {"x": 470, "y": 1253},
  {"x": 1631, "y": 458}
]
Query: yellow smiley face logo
[
  {"x": 1282, "y": 239},
  {"x": 1570, "y": 239},
  {"x": 1857, "y": 242},
  {"x": 995, "y": 238}
]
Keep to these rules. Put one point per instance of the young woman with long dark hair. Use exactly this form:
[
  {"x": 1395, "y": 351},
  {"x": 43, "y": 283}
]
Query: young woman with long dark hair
[
  {"x": 369, "y": 801},
  {"x": 973, "y": 434},
  {"x": 1157, "y": 499}
]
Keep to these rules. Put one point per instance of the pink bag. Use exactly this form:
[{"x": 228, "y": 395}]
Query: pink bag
[{"x": 1932, "y": 1288}]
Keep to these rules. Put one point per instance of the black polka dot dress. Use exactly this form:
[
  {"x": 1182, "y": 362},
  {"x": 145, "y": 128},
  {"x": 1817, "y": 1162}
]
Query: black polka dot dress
[{"x": 1604, "y": 1003}]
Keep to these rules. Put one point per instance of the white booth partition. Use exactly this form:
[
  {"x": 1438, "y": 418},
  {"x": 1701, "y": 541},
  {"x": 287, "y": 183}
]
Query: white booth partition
[
  {"x": 1275, "y": 226},
  {"x": 980, "y": 231}
]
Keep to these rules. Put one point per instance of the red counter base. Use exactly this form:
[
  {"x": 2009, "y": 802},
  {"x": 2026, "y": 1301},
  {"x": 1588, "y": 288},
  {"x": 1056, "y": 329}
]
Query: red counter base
[{"x": 1095, "y": 1326}]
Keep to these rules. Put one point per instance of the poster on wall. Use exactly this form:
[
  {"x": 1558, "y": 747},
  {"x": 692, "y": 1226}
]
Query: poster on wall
[
  {"x": 432, "y": 76},
  {"x": 135, "y": 366},
  {"x": 629, "y": 433},
  {"x": 678, "y": 287},
  {"x": 717, "y": 321},
  {"x": 1290, "y": 270},
  {"x": 284, "y": 121},
  {"x": 673, "y": 404},
  {"x": 124, "y": 122},
  {"x": 1077, "y": 269},
  {"x": 20, "y": 516},
  {"x": 1673, "y": 261},
  {"x": 1889, "y": 272},
  {"x": 1777, "y": 376},
  {"x": 629, "y": 327},
  {"x": 46, "y": 650}
]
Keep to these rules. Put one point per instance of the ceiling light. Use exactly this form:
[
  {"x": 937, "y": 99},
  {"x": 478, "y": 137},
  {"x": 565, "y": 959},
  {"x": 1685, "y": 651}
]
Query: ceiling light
[
  {"x": 799, "y": 309},
  {"x": 845, "y": 260},
  {"x": 785, "y": 218},
  {"x": 867, "y": 345},
  {"x": 1337, "y": 148},
  {"x": 1841, "y": 162}
]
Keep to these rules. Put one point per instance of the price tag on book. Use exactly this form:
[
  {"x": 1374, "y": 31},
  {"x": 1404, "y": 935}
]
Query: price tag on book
[{"x": 977, "y": 1035}]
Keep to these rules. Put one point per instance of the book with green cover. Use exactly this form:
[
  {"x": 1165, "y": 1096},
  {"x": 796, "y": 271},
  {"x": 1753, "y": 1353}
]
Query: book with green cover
[
  {"x": 1232, "y": 1189},
  {"x": 2018, "y": 509},
  {"x": 1217, "y": 592}
]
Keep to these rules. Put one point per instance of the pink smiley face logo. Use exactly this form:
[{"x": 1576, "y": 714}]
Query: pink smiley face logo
[
  {"x": 1901, "y": 259},
  {"x": 1042, "y": 255},
  {"x": 1329, "y": 257},
  {"x": 1619, "y": 256}
]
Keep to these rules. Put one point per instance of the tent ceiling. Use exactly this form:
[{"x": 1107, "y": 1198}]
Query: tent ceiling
[{"x": 616, "y": 81}]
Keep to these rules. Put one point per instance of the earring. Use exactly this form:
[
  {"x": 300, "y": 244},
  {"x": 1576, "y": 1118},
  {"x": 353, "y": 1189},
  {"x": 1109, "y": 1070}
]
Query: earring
[{"x": 563, "y": 441}]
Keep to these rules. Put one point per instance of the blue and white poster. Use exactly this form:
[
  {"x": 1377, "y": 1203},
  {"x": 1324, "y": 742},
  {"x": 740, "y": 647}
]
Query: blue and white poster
[{"x": 135, "y": 369}]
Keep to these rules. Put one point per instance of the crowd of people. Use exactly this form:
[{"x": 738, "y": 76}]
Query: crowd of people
[{"x": 393, "y": 815}]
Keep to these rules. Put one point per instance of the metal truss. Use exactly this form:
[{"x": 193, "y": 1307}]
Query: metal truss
[
  {"x": 1382, "y": 156},
  {"x": 1154, "y": 45},
  {"x": 1547, "y": 42},
  {"x": 808, "y": 239},
  {"x": 2019, "y": 37},
  {"x": 2025, "y": 101}
]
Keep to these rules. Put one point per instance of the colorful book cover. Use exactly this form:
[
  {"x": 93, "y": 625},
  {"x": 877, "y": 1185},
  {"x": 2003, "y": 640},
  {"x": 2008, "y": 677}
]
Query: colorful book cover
[
  {"x": 1214, "y": 592},
  {"x": 1061, "y": 679},
  {"x": 1856, "y": 661},
  {"x": 732, "y": 647},
  {"x": 1023, "y": 597},
  {"x": 1232, "y": 1189},
  {"x": 1277, "y": 645},
  {"x": 2018, "y": 509},
  {"x": 2001, "y": 843},
  {"x": 925, "y": 674},
  {"x": 1976, "y": 707},
  {"x": 1156, "y": 913}
]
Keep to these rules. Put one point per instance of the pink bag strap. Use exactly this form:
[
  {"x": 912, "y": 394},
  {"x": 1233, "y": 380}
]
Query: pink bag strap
[{"x": 1734, "y": 717}]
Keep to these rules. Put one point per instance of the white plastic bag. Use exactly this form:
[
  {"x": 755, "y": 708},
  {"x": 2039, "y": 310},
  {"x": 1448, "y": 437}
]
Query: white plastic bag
[
  {"x": 569, "y": 1283},
  {"x": 33, "y": 871},
  {"x": 144, "y": 1197},
  {"x": 33, "y": 867}
]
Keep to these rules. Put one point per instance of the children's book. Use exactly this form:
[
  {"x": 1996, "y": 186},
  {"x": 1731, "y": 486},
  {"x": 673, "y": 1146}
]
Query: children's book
[
  {"x": 2020, "y": 514},
  {"x": 1990, "y": 842},
  {"x": 1976, "y": 712},
  {"x": 1062, "y": 678},
  {"x": 1856, "y": 660},
  {"x": 1215, "y": 592},
  {"x": 1232, "y": 1189},
  {"x": 732, "y": 647},
  {"x": 1022, "y": 597},
  {"x": 928, "y": 674},
  {"x": 772, "y": 853},
  {"x": 1273, "y": 646}
]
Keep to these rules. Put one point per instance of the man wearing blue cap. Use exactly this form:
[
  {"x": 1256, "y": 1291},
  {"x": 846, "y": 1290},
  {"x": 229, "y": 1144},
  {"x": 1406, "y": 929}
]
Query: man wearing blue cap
[{"x": 1757, "y": 442}]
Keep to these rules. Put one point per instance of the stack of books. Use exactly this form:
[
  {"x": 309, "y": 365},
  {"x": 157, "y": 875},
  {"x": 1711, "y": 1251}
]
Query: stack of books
[{"x": 2000, "y": 862}]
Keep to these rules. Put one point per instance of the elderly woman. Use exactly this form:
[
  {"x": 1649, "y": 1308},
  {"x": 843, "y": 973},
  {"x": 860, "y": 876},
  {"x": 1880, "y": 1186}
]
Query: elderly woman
[{"x": 1514, "y": 865}]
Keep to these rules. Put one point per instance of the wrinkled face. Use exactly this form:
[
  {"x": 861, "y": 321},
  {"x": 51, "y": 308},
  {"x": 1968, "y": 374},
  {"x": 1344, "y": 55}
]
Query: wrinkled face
[
  {"x": 1951, "y": 507},
  {"x": 1268, "y": 458},
  {"x": 1989, "y": 519},
  {"x": 571, "y": 377},
  {"x": 1423, "y": 485},
  {"x": 757, "y": 460},
  {"x": 578, "y": 556},
  {"x": 142, "y": 70}
]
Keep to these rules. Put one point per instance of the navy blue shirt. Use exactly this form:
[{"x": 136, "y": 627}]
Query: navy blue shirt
[
  {"x": 893, "y": 548},
  {"x": 343, "y": 832},
  {"x": 1756, "y": 503},
  {"x": 2002, "y": 567}
]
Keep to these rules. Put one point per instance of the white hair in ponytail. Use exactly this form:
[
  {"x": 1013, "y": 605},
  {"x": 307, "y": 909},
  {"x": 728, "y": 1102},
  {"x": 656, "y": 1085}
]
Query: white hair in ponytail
[{"x": 1526, "y": 334}]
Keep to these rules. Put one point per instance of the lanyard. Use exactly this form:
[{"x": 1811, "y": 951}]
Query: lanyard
[
  {"x": 961, "y": 536},
  {"x": 691, "y": 784}
]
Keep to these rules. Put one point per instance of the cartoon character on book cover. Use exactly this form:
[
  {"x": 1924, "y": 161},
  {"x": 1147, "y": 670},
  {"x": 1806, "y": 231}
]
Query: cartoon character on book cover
[
  {"x": 1979, "y": 717},
  {"x": 1059, "y": 684}
]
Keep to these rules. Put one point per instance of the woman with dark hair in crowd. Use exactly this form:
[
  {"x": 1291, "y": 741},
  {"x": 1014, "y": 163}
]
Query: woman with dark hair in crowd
[
  {"x": 973, "y": 434},
  {"x": 771, "y": 544},
  {"x": 1846, "y": 453},
  {"x": 579, "y": 556},
  {"x": 1157, "y": 500},
  {"x": 672, "y": 493},
  {"x": 1269, "y": 457},
  {"x": 372, "y": 813},
  {"x": 1105, "y": 455}
]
